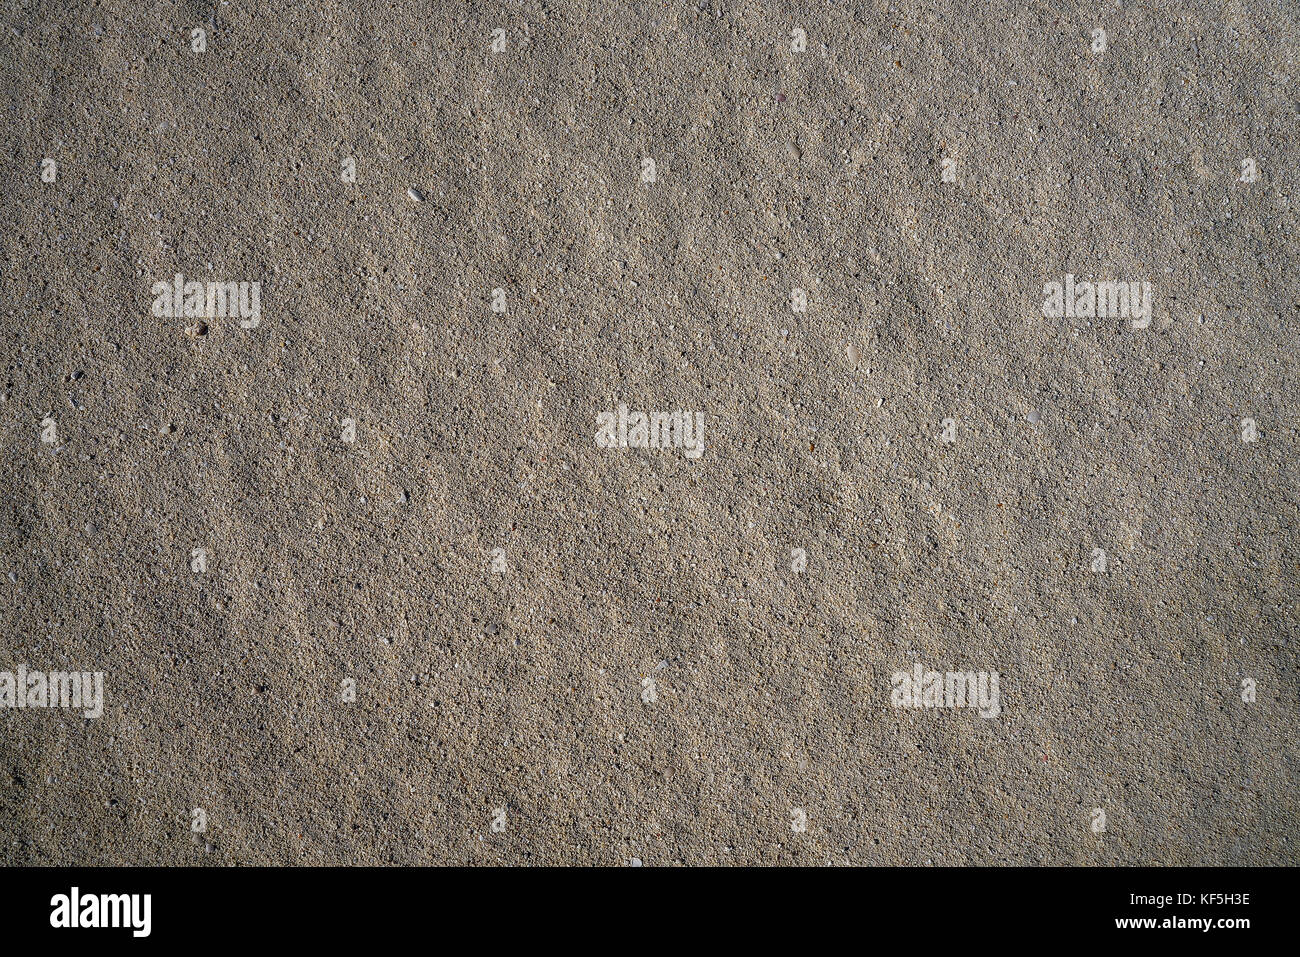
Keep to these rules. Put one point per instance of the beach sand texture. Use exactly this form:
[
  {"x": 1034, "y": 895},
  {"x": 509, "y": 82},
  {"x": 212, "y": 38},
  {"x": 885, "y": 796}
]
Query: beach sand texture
[{"x": 671, "y": 658}]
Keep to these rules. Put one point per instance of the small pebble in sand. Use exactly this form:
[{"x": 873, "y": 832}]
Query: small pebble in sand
[
  {"x": 414, "y": 195},
  {"x": 1032, "y": 417},
  {"x": 855, "y": 355}
]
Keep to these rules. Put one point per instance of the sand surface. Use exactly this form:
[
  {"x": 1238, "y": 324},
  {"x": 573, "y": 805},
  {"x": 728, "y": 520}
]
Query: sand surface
[{"x": 646, "y": 671}]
